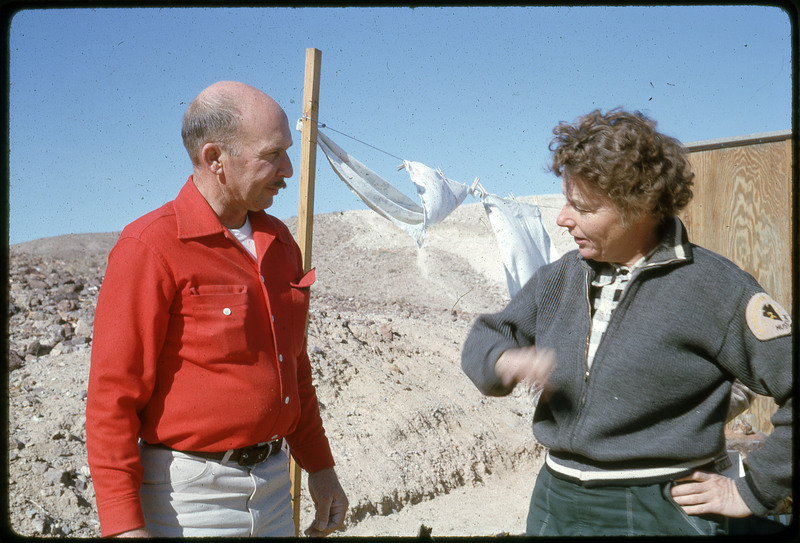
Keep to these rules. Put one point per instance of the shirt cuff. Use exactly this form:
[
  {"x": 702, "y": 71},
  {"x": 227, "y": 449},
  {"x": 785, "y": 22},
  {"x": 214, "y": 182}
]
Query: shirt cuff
[
  {"x": 314, "y": 456},
  {"x": 120, "y": 516}
]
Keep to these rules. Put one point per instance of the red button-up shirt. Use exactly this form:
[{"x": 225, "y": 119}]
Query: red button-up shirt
[{"x": 197, "y": 346}]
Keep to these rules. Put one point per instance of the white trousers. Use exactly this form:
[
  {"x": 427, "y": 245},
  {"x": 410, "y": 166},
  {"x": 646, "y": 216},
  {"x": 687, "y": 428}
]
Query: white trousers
[{"x": 188, "y": 496}]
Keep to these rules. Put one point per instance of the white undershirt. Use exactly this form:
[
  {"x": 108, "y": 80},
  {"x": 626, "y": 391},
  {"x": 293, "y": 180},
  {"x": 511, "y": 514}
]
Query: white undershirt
[{"x": 245, "y": 237}]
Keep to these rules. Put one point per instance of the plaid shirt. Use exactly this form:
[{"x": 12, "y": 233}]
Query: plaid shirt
[{"x": 608, "y": 287}]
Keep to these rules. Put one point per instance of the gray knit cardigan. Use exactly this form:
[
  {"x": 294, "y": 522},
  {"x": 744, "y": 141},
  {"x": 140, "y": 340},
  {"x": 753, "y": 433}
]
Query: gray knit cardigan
[{"x": 658, "y": 390}]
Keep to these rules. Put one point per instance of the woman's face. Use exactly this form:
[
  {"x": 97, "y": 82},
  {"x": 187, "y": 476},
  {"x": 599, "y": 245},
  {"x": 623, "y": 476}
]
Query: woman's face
[{"x": 595, "y": 224}]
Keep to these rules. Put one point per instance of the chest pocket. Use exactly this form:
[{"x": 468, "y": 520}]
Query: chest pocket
[{"x": 216, "y": 315}]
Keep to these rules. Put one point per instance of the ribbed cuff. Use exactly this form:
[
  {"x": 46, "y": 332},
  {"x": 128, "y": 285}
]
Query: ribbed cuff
[{"x": 751, "y": 497}]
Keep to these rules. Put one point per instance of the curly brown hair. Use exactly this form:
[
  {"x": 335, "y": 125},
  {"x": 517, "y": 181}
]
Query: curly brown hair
[{"x": 621, "y": 154}]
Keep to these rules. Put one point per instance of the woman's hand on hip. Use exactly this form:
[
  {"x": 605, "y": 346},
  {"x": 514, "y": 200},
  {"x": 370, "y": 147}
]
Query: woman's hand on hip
[{"x": 703, "y": 493}]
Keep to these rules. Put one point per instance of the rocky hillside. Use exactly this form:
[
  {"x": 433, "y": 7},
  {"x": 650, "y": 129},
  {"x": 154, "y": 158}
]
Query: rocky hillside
[
  {"x": 415, "y": 443},
  {"x": 386, "y": 326}
]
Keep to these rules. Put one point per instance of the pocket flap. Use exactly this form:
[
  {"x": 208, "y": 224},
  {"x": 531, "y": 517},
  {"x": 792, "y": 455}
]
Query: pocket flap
[{"x": 306, "y": 281}]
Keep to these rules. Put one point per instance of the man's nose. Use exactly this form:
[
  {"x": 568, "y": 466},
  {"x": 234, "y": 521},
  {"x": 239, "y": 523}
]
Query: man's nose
[{"x": 286, "y": 167}]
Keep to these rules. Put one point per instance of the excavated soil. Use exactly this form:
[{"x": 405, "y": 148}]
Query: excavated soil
[{"x": 415, "y": 443}]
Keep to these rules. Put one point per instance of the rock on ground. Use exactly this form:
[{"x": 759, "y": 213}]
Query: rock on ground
[
  {"x": 414, "y": 441},
  {"x": 386, "y": 325}
]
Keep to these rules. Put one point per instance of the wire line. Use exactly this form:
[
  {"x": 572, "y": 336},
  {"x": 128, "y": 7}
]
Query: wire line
[{"x": 323, "y": 125}]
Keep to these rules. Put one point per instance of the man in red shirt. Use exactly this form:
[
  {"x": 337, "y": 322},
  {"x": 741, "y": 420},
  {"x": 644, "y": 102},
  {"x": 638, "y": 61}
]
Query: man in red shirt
[{"x": 200, "y": 379}]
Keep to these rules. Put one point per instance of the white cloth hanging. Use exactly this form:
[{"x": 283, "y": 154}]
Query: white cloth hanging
[
  {"x": 522, "y": 238},
  {"x": 439, "y": 195},
  {"x": 374, "y": 191}
]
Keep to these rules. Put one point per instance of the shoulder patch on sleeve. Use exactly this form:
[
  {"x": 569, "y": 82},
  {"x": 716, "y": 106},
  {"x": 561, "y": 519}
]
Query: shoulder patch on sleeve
[{"x": 766, "y": 318}]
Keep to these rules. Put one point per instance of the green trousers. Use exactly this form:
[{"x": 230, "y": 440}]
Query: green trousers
[{"x": 564, "y": 508}]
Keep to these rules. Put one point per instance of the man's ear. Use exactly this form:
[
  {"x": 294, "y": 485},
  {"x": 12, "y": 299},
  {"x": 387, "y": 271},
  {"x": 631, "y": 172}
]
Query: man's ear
[{"x": 211, "y": 158}]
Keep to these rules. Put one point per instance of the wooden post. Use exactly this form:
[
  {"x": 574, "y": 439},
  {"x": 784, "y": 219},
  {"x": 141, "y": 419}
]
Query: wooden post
[
  {"x": 305, "y": 212},
  {"x": 308, "y": 155}
]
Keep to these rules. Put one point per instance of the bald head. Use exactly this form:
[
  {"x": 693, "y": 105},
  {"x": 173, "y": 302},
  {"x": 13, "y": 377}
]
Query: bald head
[
  {"x": 218, "y": 113},
  {"x": 236, "y": 90}
]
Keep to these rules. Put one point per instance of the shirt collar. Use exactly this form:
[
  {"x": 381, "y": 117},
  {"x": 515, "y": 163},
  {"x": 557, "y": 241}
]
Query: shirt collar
[
  {"x": 608, "y": 273},
  {"x": 195, "y": 218},
  {"x": 194, "y": 215},
  {"x": 674, "y": 246}
]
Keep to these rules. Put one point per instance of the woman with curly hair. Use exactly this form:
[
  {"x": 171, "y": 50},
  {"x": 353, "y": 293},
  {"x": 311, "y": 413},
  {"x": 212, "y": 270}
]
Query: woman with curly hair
[{"x": 637, "y": 338}]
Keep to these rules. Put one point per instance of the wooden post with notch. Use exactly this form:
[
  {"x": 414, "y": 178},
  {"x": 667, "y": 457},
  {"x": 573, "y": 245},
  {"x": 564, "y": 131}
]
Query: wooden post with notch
[{"x": 305, "y": 212}]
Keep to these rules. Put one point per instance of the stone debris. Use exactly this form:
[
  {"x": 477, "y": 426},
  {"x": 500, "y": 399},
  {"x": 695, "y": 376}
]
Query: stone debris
[
  {"x": 384, "y": 339},
  {"x": 386, "y": 325},
  {"x": 405, "y": 424}
]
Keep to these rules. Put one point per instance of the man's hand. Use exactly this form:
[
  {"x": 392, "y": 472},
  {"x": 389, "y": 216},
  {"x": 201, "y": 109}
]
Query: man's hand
[
  {"x": 703, "y": 492},
  {"x": 330, "y": 502},
  {"x": 531, "y": 365}
]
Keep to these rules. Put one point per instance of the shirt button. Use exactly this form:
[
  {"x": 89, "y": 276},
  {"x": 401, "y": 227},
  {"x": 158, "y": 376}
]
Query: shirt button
[
  {"x": 226, "y": 311},
  {"x": 272, "y": 317},
  {"x": 262, "y": 278},
  {"x": 286, "y": 401},
  {"x": 280, "y": 358},
  {"x": 274, "y": 437}
]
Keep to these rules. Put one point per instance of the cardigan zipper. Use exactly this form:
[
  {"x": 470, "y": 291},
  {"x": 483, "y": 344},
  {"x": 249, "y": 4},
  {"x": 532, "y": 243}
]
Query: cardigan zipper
[
  {"x": 585, "y": 380},
  {"x": 589, "y": 334}
]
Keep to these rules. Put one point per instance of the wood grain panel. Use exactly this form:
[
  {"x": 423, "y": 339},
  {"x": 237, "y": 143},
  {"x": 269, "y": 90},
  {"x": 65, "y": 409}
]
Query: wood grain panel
[{"x": 742, "y": 210}]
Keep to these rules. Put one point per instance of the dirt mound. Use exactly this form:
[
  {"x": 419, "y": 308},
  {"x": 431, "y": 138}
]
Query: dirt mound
[
  {"x": 414, "y": 441},
  {"x": 386, "y": 326}
]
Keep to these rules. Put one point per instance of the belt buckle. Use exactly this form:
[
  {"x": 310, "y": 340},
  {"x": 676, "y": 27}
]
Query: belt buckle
[{"x": 254, "y": 454}]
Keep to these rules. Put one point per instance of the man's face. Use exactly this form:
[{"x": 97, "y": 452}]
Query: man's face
[
  {"x": 255, "y": 175},
  {"x": 594, "y": 222}
]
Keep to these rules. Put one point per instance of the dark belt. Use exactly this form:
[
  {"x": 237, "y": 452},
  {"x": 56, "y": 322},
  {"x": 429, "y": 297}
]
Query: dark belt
[{"x": 246, "y": 456}]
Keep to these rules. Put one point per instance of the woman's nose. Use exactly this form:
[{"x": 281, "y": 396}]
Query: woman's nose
[{"x": 564, "y": 219}]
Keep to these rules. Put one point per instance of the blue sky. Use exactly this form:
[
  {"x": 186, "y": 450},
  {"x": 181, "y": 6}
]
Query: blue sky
[{"x": 97, "y": 95}]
